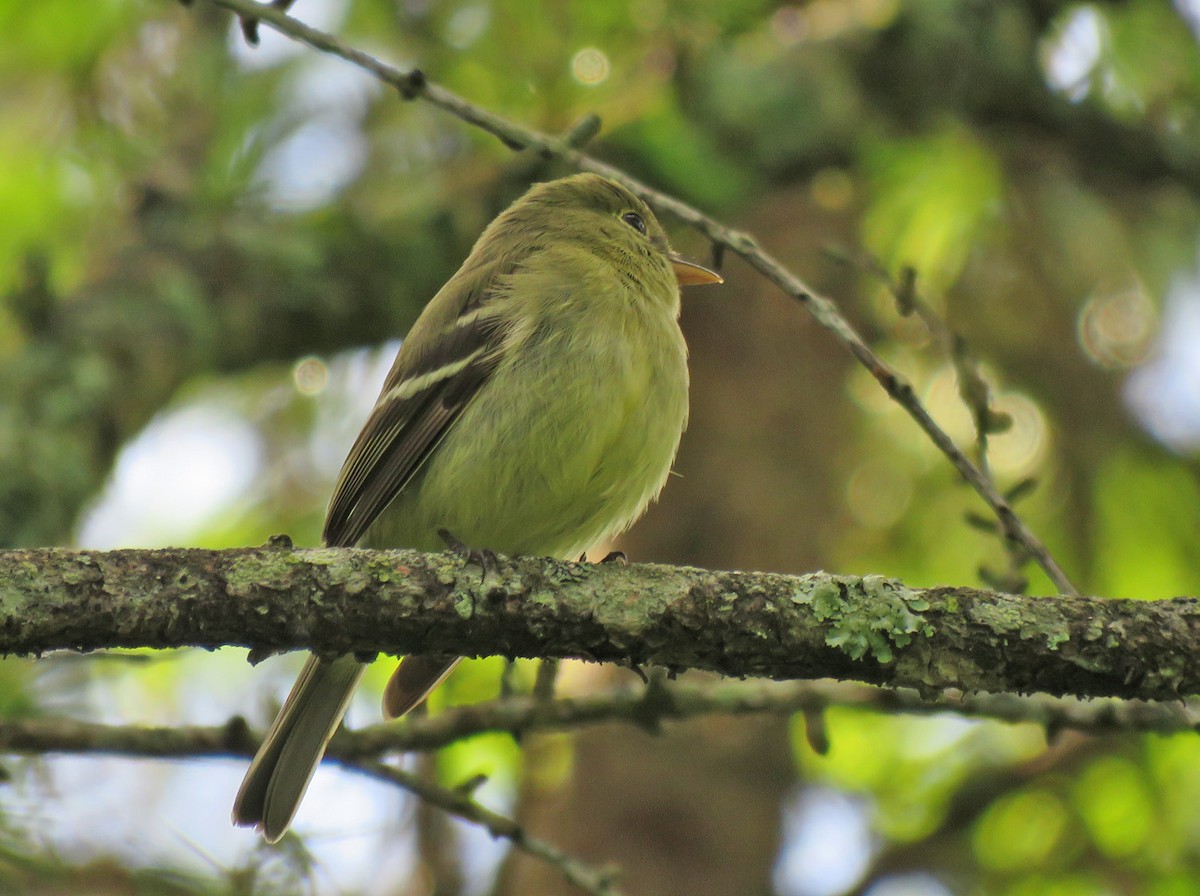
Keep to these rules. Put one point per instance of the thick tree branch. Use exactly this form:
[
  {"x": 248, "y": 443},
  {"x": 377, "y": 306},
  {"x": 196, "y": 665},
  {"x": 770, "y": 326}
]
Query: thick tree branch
[{"x": 739, "y": 624}]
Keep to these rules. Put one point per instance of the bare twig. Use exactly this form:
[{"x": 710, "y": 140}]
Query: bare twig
[
  {"x": 415, "y": 85},
  {"x": 528, "y": 714},
  {"x": 976, "y": 395},
  {"x": 598, "y": 881}
]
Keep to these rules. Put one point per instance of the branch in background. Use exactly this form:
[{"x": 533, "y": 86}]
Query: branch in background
[
  {"x": 976, "y": 395},
  {"x": 647, "y": 708},
  {"x": 458, "y": 802},
  {"x": 337, "y": 601},
  {"x": 415, "y": 85}
]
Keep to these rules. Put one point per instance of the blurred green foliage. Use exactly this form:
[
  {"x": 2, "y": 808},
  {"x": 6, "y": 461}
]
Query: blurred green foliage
[{"x": 186, "y": 223}]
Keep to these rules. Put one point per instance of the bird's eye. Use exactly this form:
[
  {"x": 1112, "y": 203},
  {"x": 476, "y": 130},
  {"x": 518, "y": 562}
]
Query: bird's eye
[{"x": 634, "y": 220}]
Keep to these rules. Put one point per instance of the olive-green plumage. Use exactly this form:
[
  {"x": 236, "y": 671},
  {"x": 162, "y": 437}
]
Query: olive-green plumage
[{"x": 534, "y": 408}]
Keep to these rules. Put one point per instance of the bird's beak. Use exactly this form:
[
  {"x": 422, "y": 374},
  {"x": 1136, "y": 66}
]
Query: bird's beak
[{"x": 689, "y": 273}]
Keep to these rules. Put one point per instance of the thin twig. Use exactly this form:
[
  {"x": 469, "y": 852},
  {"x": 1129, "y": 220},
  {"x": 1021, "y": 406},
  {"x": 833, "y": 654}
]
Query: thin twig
[
  {"x": 415, "y": 85},
  {"x": 598, "y": 881},
  {"x": 527, "y": 714},
  {"x": 976, "y": 395}
]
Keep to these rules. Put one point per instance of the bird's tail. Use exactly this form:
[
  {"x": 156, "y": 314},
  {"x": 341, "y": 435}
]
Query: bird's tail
[
  {"x": 293, "y": 747},
  {"x": 412, "y": 681}
]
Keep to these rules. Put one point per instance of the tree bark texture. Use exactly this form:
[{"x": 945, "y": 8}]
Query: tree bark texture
[{"x": 336, "y": 601}]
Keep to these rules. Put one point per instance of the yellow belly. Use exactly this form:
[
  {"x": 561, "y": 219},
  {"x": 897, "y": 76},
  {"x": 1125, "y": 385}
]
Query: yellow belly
[{"x": 542, "y": 464}]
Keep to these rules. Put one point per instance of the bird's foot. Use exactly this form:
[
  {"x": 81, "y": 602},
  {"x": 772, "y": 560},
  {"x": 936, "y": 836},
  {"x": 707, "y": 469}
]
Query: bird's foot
[
  {"x": 483, "y": 558},
  {"x": 610, "y": 557}
]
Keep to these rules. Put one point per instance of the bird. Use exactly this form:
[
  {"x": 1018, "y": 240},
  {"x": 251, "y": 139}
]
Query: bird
[{"x": 534, "y": 408}]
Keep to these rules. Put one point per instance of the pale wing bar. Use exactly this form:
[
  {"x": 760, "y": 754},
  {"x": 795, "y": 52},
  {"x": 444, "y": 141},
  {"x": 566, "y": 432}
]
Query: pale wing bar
[{"x": 407, "y": 424}]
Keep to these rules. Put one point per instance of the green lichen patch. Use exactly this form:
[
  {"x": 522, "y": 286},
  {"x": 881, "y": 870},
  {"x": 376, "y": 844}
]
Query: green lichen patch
[
  {"x": 247, "y": 573},
  {"x": 1055, "y": 640},
  {"x": 464, "y": 606},
  {"x": 872, "y": 615},
  {"x": 1010, "y": 617}
]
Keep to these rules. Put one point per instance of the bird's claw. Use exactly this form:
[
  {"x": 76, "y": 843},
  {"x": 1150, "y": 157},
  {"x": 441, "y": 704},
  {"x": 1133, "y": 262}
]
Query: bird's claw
[{"x": 484, "y": 558}]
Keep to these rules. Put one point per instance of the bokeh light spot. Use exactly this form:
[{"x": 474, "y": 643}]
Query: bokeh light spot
[
  {"x": 826, "y": 843},
  {"x": 1019, "y": 450},
  {"x": 788, "y": 25},
  {"x": 310, "y": 375},
  {"x": 1020, "y": 831},
  {"x": 184, "y": 469},
  {"x": 466, "y": 25},
  {"x": 945, "y": 403},
  {"x": 1164, "y": 392},
  {"x": 590, "y": 66},
  {"x": 1116, "y": 330},
  {"x": 1070, "y": 57},
  {"x": 1113, "y": 798},
  {"x": 878, "y": 493},
  {"x": 832, "y": 189}
]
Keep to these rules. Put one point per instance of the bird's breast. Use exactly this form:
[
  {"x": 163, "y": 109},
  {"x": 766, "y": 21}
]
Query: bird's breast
[{"x": 568, "y": 441}]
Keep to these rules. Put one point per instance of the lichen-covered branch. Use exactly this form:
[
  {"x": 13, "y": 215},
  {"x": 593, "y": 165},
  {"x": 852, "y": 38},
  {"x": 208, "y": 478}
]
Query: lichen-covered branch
[{"x": 335, "y": 601}]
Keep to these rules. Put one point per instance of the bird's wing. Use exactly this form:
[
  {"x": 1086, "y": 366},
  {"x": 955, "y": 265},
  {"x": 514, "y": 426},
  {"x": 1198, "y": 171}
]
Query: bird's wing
[{"x": 424, "y": 394}]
